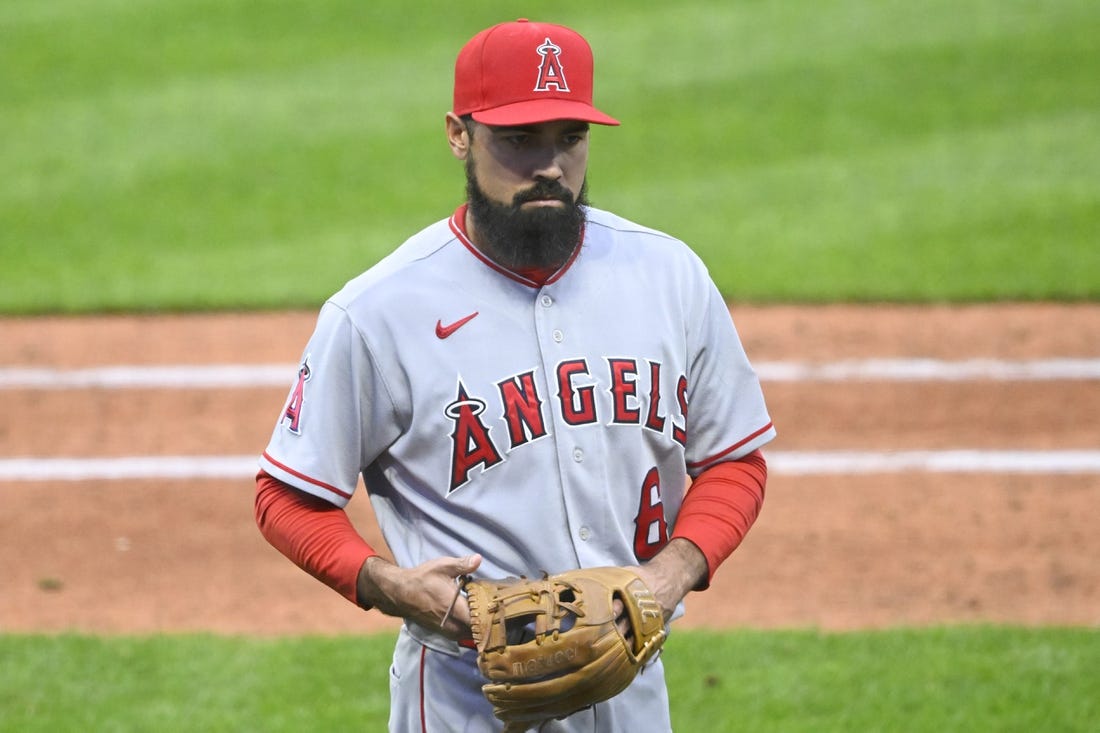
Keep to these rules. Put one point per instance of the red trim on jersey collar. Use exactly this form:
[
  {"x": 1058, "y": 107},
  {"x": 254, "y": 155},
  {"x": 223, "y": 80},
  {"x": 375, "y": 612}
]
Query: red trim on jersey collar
[{"x": 458, "y": 226}]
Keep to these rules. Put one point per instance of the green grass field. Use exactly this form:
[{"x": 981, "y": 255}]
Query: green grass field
[
  {"x": 201, "y": 155},
  {"x": 215, "y": 154},
  {"x": 935, "y": 680}
]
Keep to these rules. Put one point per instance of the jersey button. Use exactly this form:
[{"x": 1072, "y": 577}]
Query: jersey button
[
  {"x": 547, "y": 301},
  {"x": 578, "y": 455},
  {"x": 584, "y": 533},
  {"x": 558, "y": 335}
]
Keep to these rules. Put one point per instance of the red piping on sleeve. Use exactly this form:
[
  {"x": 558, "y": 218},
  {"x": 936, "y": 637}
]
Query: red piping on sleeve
[
  {"x": 309, "y": 479},
  {"x": 731, "y": 449}
]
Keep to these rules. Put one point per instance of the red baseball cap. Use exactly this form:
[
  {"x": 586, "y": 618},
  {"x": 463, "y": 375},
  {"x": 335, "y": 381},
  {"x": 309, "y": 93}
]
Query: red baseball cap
[{"x": 523, "y": 73}]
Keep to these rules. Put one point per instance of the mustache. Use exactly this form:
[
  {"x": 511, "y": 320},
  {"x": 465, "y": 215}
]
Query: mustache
[{"x": 544, "y": 190}]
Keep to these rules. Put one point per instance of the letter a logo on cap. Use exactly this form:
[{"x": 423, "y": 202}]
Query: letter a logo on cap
[{"x": 550, "y": 71}]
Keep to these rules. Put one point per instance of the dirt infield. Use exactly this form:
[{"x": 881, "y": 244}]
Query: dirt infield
[{"x": 831, "y": 551}]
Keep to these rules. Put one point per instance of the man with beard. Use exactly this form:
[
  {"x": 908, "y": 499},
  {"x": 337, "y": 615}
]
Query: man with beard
[{"x": 513, "y": 384}]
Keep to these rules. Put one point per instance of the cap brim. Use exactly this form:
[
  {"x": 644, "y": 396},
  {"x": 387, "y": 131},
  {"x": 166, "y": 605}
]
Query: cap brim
[{"x": 532, "y": 112}]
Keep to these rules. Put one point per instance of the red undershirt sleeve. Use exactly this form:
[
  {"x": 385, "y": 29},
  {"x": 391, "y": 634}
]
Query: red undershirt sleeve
[
  {"x": 720, "y": 507},
  {"x": 317, "y": 536}
]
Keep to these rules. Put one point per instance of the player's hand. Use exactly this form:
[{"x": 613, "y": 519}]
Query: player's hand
[
  {"x": 678, "y": 568},
  {"x": 427, "y": 594}
]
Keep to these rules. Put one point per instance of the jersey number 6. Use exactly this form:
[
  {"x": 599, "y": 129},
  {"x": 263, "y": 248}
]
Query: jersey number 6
[{"x": 650, "y": 527}]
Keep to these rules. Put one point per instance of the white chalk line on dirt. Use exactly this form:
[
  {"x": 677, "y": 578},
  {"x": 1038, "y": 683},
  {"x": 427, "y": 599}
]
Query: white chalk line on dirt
[
  {"x": 792, "y": 463},
  {"x": 226, "y": 376}
]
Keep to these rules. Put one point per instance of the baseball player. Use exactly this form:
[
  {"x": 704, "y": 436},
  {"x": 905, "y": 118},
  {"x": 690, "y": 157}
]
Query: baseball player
[{"x": 527, "y": 386}]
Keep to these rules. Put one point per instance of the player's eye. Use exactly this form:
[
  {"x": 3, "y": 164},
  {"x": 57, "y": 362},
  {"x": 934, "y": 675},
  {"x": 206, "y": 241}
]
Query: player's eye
[{"x": 573, "y": 137}]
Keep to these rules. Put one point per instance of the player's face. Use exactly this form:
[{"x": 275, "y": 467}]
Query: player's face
[
  {"x": 535, "y": 166},
  {"x": 525, "y": 188}
]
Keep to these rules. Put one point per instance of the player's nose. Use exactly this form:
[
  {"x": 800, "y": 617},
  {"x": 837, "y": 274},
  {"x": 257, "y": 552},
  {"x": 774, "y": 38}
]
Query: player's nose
[{"x": 548, "y": 166}]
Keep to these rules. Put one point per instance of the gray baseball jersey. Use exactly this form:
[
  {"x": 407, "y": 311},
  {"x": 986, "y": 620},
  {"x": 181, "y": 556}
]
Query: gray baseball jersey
[{"x": 546, "y": 427}]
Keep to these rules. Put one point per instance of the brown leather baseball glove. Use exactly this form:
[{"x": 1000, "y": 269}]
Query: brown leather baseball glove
[{"x": 551, "y": 647}]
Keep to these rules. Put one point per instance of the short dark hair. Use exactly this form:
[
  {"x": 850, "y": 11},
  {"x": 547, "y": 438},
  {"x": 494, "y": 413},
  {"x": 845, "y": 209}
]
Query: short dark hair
[{"x": 468, "y": 122}]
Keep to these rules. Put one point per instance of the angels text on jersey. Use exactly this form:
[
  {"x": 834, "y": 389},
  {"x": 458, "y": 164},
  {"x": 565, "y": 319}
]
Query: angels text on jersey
[{"x": 634, "y": 388}]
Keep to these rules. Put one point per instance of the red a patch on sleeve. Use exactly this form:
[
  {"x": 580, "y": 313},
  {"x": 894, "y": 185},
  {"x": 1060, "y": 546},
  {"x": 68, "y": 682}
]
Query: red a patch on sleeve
[{"x": 292, "y": 416}]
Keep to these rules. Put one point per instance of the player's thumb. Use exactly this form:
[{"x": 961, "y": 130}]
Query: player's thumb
[{"x": 467, "y": 565}]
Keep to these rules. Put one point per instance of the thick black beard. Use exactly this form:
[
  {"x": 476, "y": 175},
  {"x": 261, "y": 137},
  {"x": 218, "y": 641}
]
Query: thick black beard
[{"x": 518, "y": 239}]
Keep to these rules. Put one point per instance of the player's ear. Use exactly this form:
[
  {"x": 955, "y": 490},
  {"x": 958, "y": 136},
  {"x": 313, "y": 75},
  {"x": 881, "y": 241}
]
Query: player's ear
[{"x": 457, "y": 136}]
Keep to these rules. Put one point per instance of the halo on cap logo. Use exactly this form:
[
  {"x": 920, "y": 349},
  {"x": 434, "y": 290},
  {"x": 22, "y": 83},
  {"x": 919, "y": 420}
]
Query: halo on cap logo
[{"x": 551, "y": 73}]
